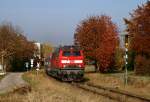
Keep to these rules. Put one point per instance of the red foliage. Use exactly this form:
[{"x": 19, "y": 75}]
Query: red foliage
[
  {"x": 142, "y": 65},
  {"x": 98, "y": 36},
  {"x": 138, "y": 28}
]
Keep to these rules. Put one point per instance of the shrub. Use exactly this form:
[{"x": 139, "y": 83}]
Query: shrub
[{"x": 142, "y": 65}]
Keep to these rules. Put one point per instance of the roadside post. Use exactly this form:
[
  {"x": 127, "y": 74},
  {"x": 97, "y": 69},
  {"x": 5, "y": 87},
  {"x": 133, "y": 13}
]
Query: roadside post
[
  {"x": 31, "y": 61},
  {"x": 37, "y": 70},
  {"x": 27, "y": 65},
  {"x": 126, "y": 59},
  {"x": 38, "y": 66}
]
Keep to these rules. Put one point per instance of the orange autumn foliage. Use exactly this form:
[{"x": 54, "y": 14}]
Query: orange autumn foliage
[
  {"x": 138, "y": 27},
  {"x": 98, "y": 37}
]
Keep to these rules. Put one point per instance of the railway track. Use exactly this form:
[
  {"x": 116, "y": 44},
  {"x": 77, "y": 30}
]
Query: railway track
[
  {"x": 112, "y": 93},
  {"x": 115, "y": 94}
]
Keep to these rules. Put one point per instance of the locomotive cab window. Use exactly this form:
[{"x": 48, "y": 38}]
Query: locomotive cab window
[
  {"x": 66, "y": 53},
  {"x": 76, "y": 53}
]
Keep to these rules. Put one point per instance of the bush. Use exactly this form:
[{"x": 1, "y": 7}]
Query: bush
[
  {"x": 119, "y": 60},
  {"x": 131, "y": 60},
  {"x": 142, "y": 65}
]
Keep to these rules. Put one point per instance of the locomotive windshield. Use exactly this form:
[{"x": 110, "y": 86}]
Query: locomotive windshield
[
  {"x": 76, "y": 53},
  {"x": 66, "y": 53},
  {"x": 69, "y": 53}
]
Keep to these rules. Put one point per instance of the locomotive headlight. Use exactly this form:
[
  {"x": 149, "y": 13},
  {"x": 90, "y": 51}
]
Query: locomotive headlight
[
  {"x": 65, "y": 61},
  {"x": 80, "y": 66},
  {"x": 78, "y": 61}
]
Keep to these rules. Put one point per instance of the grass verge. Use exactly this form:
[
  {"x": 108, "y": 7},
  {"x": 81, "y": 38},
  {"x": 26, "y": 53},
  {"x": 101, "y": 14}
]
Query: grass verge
[{"x": 2, "y": 76}]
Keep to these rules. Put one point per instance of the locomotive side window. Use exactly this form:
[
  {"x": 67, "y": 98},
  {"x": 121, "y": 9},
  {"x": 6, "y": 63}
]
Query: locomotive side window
[
  {"x": 66, "y": 53},
  {"x": 76, "y": 53}
]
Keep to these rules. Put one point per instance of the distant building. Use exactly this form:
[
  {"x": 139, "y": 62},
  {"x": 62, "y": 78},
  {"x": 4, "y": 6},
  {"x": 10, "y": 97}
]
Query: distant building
[{"x": 38, "y": 50}]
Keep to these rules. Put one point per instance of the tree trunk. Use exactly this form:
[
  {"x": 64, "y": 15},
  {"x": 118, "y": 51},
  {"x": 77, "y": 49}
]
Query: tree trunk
[{"x": 96, "y": 66}]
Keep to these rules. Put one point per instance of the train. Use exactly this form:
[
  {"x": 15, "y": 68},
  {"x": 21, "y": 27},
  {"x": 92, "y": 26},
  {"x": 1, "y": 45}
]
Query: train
[{"x": 66, "y": 63}]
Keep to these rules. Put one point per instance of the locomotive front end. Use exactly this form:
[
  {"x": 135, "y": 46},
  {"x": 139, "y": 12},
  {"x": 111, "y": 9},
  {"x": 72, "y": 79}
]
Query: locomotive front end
[
  {"x": 67, "y": 64},
  {"x": 72, "y": 64}
]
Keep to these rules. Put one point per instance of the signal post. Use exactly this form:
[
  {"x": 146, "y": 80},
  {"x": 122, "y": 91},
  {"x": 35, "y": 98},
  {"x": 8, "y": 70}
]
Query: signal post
[{"x": 126, "y": 59}]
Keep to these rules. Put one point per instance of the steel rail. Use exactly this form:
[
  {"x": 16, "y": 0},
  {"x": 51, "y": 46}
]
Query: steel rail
[{"x": 112, "y": 93}]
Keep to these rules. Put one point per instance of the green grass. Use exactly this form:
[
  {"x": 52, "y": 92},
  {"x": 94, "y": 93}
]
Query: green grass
[
  {"x": 29, "y": 79},
  {"x": 1, "y": 77}
]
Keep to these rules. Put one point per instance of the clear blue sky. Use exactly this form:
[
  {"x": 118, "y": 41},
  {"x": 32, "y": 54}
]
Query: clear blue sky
[{"x": 55, "y": 20}]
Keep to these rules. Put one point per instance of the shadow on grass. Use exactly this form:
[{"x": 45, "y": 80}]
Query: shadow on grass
[
  {"x": 91, "y": 72},
  {"x": 85, "y": 79}
]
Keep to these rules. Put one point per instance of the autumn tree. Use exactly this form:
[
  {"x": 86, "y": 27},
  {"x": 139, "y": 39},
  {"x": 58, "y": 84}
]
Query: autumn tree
[
  {"x": 46, "y": 49},
  {"x": 119, "y": 57},
  {"x": 98, "y": 37},
  {"x": 14, "y": 46},
  {"x": 138, "y": 28}
]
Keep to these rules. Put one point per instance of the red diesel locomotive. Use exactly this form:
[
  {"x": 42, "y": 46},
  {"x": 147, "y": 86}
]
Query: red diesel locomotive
[{"x": 66, "y": 63}]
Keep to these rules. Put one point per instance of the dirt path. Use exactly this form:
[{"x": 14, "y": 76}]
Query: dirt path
[{"x": 11, "y": 82}]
